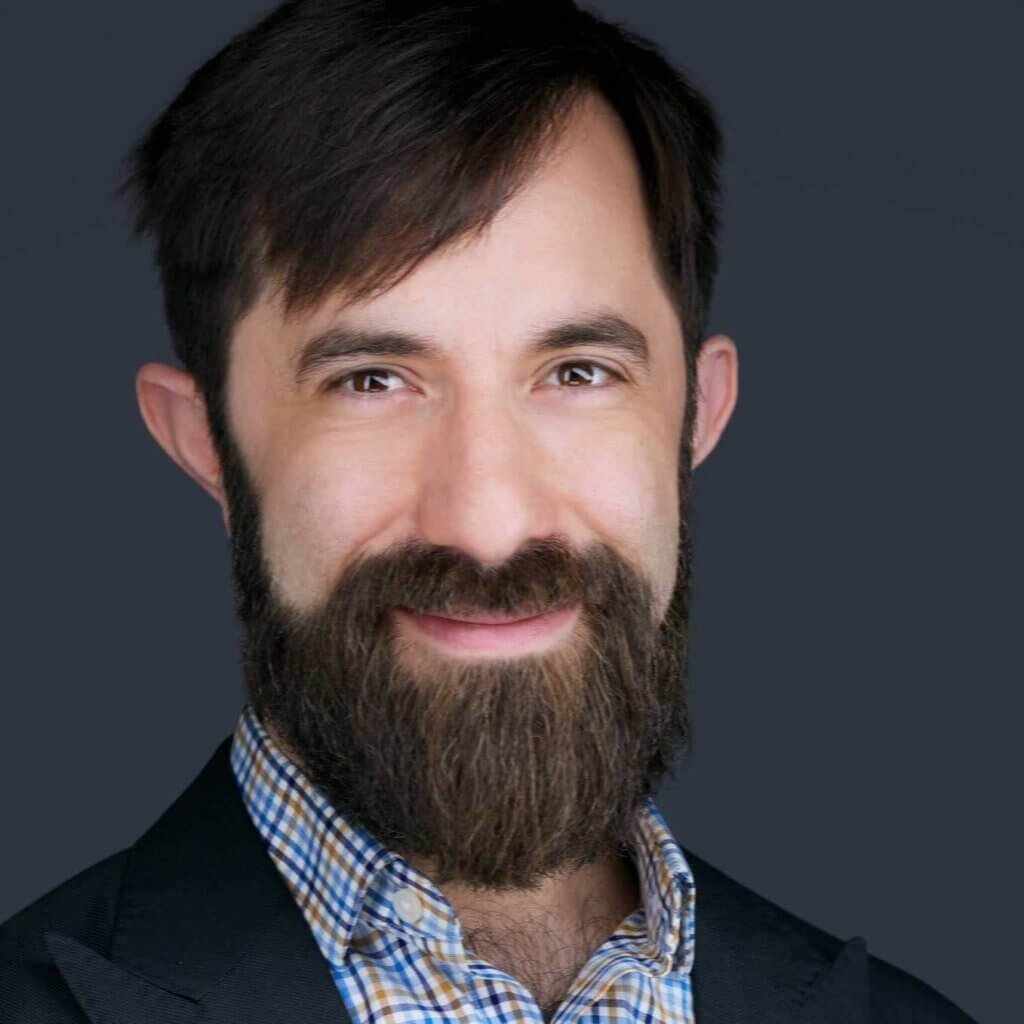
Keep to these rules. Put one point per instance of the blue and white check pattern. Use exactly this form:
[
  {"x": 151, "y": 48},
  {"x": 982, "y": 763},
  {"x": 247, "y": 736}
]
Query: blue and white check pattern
[{"x": 389, "y": 970}]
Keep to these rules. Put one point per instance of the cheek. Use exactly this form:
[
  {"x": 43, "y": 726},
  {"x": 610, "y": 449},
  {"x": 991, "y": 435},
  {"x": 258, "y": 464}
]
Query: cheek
[
  {"x": 315, "y": 512},
  {"x": 627, "y": 491}
]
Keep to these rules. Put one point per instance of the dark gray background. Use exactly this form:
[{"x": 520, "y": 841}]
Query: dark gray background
[{"x": 855, "y": 667}]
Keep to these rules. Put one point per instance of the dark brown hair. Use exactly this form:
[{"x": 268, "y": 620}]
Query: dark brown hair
[{"x": 341, "y": 142}]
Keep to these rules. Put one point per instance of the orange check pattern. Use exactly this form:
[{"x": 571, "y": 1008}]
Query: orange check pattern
[{"x": 394, "y": 944}]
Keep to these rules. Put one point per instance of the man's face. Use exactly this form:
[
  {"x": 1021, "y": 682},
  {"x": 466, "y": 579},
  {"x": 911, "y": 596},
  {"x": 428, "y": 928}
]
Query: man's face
[{"x": 481, "y": 475}]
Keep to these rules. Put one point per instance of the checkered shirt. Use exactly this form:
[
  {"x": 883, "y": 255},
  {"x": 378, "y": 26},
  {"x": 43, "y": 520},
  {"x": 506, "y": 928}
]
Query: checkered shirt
[{"x": 356, "y": 895}]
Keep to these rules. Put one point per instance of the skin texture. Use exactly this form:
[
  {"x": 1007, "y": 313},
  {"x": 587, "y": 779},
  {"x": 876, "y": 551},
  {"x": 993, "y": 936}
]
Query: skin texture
[{"x": 483, "y": 449}]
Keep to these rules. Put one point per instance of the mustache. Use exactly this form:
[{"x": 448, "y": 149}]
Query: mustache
[{"x": 542, "y": 576}]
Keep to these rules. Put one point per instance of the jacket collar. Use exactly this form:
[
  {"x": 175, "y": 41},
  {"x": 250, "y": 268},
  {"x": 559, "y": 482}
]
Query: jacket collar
[{"x": 207, "y": 932}]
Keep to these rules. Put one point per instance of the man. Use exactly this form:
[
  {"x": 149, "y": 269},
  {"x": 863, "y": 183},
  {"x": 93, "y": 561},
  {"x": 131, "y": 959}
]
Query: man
[{"x": 437, "y": 276}]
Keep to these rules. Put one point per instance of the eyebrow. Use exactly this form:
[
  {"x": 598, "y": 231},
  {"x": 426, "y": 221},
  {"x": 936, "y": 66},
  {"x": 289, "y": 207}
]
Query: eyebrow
[{"x": 602, "y": 329}]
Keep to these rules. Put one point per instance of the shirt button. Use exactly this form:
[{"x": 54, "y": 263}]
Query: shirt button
[{"x": 408, "y": 906}]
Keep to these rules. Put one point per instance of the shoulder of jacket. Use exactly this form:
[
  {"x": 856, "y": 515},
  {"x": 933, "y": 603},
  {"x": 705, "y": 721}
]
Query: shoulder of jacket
[{"x": 897, "y": 997}]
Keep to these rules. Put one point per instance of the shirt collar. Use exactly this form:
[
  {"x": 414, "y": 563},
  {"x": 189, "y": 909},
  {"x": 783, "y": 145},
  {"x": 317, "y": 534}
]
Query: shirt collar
[
  {"x": 667, "y": 886},
  {"x": 327, "y": 862},
  {"x": 331, "y": 864}
]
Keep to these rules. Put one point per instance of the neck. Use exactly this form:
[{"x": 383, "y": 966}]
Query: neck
[
  {"x": 588, "y": 900},
  {"x": 544, "y": 936}
]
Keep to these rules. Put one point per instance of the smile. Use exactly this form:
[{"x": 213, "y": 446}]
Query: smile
[{"x": 491, "y": 634}]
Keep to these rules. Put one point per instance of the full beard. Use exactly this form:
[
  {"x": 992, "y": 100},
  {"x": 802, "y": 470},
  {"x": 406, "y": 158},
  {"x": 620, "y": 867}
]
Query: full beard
[{"x": 499, "y": 771}]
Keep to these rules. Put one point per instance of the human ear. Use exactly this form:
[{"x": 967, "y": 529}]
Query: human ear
[
  {"x": 717, "y": 390},
  {"x": 175, "y": 414}
]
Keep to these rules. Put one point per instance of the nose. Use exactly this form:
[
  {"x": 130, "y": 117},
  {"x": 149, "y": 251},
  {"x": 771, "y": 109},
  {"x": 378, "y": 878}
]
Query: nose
[{"x": 487, "y": 485}]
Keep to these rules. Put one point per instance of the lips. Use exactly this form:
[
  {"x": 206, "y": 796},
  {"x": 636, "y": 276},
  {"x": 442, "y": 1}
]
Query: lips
[
  {"x": 488, "y": 632},
  {"x": 485, "y": 619}
]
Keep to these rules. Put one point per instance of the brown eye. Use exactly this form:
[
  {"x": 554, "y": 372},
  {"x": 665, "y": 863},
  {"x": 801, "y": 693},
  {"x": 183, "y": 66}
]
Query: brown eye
[
  {"x": 364, "y": 383},
  {"x": 571, "y": 376}
]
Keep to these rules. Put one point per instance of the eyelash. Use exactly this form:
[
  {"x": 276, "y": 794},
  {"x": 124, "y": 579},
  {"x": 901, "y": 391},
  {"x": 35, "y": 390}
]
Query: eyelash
[{"x": 336, "y": 383}]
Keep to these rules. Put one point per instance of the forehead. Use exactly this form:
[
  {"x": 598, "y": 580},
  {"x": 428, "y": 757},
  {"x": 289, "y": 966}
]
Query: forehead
[{"x": 574, "y": 237}]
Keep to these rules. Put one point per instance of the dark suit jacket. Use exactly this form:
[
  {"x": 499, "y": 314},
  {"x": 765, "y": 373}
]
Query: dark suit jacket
[{"x": 194, "y": 924}]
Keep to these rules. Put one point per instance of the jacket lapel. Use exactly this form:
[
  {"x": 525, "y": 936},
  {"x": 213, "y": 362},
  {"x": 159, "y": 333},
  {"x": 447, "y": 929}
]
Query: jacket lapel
[
  {"x": 841, "y": 994},
  {"x": 752, "y": 966},
  {"x": 206, "y": 931}
]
